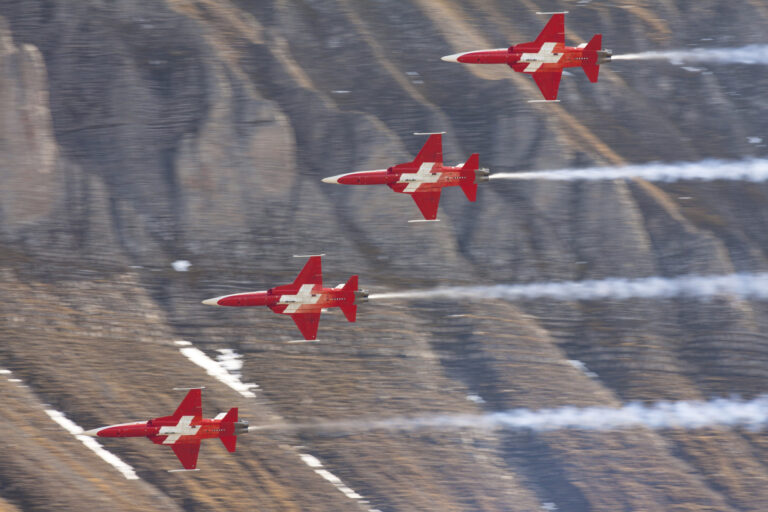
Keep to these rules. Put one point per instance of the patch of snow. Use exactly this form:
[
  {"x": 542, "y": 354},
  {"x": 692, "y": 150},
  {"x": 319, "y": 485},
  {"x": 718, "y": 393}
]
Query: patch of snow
[
  {"x": 583, "y": 368},
  {"x": 230, "y": 361},
  {"x": 311, "y": 460},
  {"x": 475, "y": 398},
  {"x": 226, "y": 370},
  {"x": 314, "y": 463},
  {"x": 77, "y": 431},
  {"x": 341, "y": 91},
  {"x": 3, "y": 371},
  {"x": 754, "y": 140},
  {"x": 219, "y": 372},
  {"x": 181, "y": 265},
  {"x": 692, "y": 69}
]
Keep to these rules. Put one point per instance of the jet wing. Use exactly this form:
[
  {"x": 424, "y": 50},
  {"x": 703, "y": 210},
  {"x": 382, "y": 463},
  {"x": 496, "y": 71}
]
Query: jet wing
[
  {"x": 187, "y": 453},
  {"x": 190, "y": 406},
  {"x": 554, "y": 30},
  {"x": 548, "y": 82},
  {"x": 307, "y": 324},
  {"x": 427, "y": 203},
  {"x": 312, "y": 273},
  {"x": 432, "y": 150}
]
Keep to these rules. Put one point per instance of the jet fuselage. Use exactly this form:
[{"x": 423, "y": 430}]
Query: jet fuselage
[
  {"x": 545, "y": 58},
  {"x": 308, "y": 298},
  {"x": 303, "y": 300},
  {"x": 424, "y": 178},
  {"x": 409, "y": 178},
  {"x": 183, "y": 430},
  {"x": 205, "y": 429},
  {"x": 550, "y": 57}
]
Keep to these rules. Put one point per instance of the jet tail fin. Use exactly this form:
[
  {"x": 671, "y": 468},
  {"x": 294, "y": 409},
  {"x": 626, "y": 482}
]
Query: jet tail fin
[
  {"x": 350, "y": 310},
  {"x": 229, "y": 442},
  {"x": 231, "y": 416},
  {"x": 591, "y": 70},
  {"x": 470, "y": 185},
  {"x": 351, "y": 285},
  {"x": 594, "y": 44},
  {"x": 590, "y": 66}
]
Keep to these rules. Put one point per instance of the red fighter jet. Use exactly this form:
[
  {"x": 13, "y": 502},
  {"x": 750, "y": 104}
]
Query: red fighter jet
[
  {"x": 183, "y": 430},
  {"x": 545, "y": 57},
  {"x": 303, "y": 300},
  {"x": 424, "y": 178}
]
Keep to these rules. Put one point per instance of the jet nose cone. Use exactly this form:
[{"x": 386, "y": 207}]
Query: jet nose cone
[
  {"x": 333, "y": 179},
  {"x": 212, "y": 302},
  {"x": 92, "y": 433},
  {"x": 452, "y": 58}
]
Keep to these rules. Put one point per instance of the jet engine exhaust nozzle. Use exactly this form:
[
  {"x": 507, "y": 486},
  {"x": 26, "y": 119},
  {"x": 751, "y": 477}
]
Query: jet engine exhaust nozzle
[
  {"x": 361, "y": 295},
  {"x": 241, "y": 427},
  {"x": 482, "y": 175},
  {"x": 604, "y": 56}
]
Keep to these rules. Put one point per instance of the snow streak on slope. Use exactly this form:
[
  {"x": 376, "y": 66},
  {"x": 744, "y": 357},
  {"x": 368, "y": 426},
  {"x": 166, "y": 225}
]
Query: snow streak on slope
[
  {"x": 717, "y": 413},
  {"x": 218, "y": 369},
  {"x": 753, "y": 169},
  {"x": 753, "y": 286},
  {"x": 751, "y": 54},
  {"x": 227, "y": 370},
  {"x": 77, "y": 431}
]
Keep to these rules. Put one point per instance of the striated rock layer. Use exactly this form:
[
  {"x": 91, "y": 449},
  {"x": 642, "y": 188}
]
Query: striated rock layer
[{"x": 141, "y": 132}]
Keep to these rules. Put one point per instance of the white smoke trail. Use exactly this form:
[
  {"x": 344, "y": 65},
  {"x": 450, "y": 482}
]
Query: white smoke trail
[
  {"x": 754, "y": 286},
  {"x": 753, "y": 169},
  {"x": 719, "y": 412},
  {"x": 751, "y": 54}
]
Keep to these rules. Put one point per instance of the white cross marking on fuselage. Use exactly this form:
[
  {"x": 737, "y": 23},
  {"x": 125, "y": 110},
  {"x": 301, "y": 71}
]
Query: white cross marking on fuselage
[
  {"x": 303, "y": 296},
  {"x": 183, "y": 428},
  {"x": 545, "y": 56},
  {"x": 423, "y": 175}
]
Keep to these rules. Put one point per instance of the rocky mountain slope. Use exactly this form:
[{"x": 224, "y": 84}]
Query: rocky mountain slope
[{"x": 141, "y": 132}]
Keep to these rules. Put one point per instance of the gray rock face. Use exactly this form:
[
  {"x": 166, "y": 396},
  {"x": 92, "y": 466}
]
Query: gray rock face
[{"x": 140, "y": 132}]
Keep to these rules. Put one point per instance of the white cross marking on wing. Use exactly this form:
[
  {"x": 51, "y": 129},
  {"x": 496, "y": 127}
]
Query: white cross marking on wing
[
  {"x": 183, "y": 428},
  {"x": 303, "y": 296},
  {"x": 423, "y": 175},
  {"x": 545, "y": 56}
]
